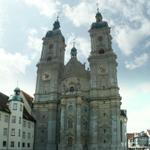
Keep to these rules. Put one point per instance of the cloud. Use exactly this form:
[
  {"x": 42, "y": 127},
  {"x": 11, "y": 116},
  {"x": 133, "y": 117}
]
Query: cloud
[
  {"x": 83, "y": 47},
  {"x": 129, "y": 23},
  {"x": 133, "y": 102},
  {"x": 34, "y": 42},
  {"x": 13, "y": 66},
  {"x": 17, "y": 62},
  {"x": 81, "y": 14},
  {"x": 47, "y": 7},
  {"x": 138, "y": 61}
]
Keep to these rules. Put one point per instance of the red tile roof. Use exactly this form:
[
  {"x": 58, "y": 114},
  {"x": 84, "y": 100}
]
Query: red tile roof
[
  {"x": 28, "y": 98},
  {"x": 130, "y": 135},
  {"x": 4, "y": 107},
  {"x": 27, "y": 116},
  {"x": 3, "y": 103}
]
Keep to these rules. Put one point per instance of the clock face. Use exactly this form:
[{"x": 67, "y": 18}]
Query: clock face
[{"x": 46, "y": 76}]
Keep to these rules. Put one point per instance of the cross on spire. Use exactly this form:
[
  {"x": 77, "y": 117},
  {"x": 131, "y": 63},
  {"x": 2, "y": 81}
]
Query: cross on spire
[
  {"x": 74, "y": 42},
  {"x": 97, "y": 5}
]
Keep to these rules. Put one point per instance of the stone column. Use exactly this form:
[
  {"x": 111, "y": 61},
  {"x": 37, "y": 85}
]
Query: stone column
[
  {"x": 51, "y": 139},
  {"x": 62, "y": 126},
  {"x": 93, "y": 125},
  {"x": 115, "y": 112},
  {"x": 78, "y": 125}
]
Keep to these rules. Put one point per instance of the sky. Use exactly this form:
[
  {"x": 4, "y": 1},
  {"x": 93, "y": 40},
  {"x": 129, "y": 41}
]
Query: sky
[{"x": 23, "y": 24}]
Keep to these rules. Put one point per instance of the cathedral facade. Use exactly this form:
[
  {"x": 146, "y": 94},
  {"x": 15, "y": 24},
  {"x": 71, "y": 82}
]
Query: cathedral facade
[{"x": 78, "y": 108}]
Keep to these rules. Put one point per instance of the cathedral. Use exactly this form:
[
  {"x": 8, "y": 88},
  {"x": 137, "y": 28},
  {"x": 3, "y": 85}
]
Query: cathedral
[{"x": 77, "y": 108}]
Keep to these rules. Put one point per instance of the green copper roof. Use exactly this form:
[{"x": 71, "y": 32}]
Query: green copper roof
[
  {"x": 73, "y": 52},
  {"x": 97, "y": 25},
  {"x": 99, "y": 22},
  {"x": 16, "y": 96},
  {"x": 56, "y": 25}
]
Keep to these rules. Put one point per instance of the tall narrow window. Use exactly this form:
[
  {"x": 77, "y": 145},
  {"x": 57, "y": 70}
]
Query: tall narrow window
[
  {"x": 19, "y": 120},
  {"x": 14, "y": 106},
  {"x": 70, "y": 141},
  {"x": 18, "y": 144},
  {"x": 23, "y": 135},
  {"x": 21, "y": 107},
  {"x": 6, "y": 118},
  {"x": 12, "y": 144},
  {"x": 5, "y": 131},
  {"x": 12, "y": 132},
  {"x": 13, "y": 119},
  {"x": 70, "y": 123},
  {"x": 4, "y": 143},
  {"x": 19, "y": 132}
]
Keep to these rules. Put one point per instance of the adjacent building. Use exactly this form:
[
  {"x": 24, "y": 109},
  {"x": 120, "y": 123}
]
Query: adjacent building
[
  {"x": 16, "y": 122},
  {"x": 139, "y": 141},
  {"x": 78, "y": 108}
]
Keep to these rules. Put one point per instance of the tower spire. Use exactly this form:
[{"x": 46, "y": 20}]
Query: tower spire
[
  {"x": 73, "y": 50},
  {"x": 98, "y": 14},
  {"x": 56, "y": 24},
  {"x": 97, "y": 5}
]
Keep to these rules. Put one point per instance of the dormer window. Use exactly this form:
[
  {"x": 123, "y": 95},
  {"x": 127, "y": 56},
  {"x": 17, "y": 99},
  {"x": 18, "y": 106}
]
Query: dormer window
[{"x": 101, "y": 51}]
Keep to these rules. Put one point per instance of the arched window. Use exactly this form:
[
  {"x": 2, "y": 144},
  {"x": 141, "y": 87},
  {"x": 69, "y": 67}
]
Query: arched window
[
  {"x": 50, "y": 46},
  {"x": 70, "y": 123},
  {"x": 71, "y": 89},
  {"x": 70, "y": 141},
  {"x": 101, "y": 51},
  {"x": 49, "y": 58}
]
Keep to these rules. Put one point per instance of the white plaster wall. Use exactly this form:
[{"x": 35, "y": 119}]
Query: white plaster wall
[
  {"x": 3, "y": 125},
  {"x": 28, "y": 129}
]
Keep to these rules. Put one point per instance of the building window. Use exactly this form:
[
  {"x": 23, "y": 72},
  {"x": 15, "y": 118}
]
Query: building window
[
  {"x": 29, "y": 135},
  {"x": 23, "y": 145},
  {"x": 23, "y": 135},
  {"x": 100, "y": 38},
  {"x": 70, "y": 123},
  {"x": 28, "y": 144},
  {"x": 5, "y": 131},
  {"x": 4, "y": 143},
  {"x": 13, "y": 119},
  {"x": 24, "y": 123},
  {"x": 29, "y": 125},
  {"x": 6, "y": 118},
  {"x": 72, "y": 89},
  {"x": 12, "y": 144},
  {"x": 104, "y": 130},
  {"x": 19, "y": 120},
  {"x": 101, "y": 51},
  {"x": 70, "y": 141},
  {"x": 14, "y": 106},
  {"x": 19, "y": 132},
  {"x": 18, "y": 144},
  {"x": 21, "y": 107},
  {"x": 12, "y": 132}
]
